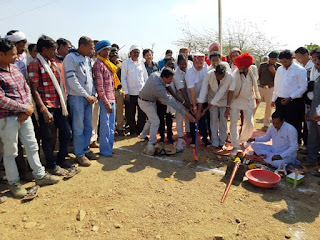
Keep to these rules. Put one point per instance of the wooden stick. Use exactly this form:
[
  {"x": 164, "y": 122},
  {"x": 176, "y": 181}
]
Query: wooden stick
[
  {"x": 235, "y": 169},
  {"x": 296, "y": 174},
  {"x": 195, "y": 151}
]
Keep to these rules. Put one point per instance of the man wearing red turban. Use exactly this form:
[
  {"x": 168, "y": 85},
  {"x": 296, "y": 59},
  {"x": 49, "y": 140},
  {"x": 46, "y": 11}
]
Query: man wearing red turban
[{"x": 243, "y": 95}]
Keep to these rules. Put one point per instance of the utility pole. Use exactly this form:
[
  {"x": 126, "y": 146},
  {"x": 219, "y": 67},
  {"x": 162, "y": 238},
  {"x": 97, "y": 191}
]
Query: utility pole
[{"x": 220, "y": 25}]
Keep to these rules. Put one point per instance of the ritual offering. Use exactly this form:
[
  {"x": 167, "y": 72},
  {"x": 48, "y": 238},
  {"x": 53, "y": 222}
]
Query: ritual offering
[
  {"x": 290, "y": 178},
  {"x": 263, "y": 178}
]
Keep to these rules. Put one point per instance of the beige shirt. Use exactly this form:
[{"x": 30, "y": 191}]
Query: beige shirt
[
  {"x": 219, "y": 91},
  {"x": 249, "y": 92}
]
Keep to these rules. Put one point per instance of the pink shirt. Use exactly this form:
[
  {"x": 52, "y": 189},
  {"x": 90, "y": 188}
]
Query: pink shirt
[{"x": 104, "y": 82}]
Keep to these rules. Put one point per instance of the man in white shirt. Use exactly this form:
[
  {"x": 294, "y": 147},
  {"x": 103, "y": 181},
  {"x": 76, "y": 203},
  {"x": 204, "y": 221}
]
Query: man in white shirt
[
  {"x": 215, "y": 59},
  {"x": 290, "y": 83},
  {"x": 303, "y": 58},
  {"x": 133, "y": 77},
  {"x": 218, "y": 80},
  {"x": 243, "y": 95},
  {"x": 184, "y": 51},
  {"x": 194, "y": 80},
  {"x": 180, "y": 86},
  {"x": 284, "y": 143}
]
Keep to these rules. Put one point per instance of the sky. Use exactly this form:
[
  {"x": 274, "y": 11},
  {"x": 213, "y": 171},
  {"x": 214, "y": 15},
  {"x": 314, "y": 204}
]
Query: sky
[{"x": 157, "y": 23}]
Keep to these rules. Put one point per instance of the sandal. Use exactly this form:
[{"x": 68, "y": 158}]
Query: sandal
[{"x": 59, "y": 171}]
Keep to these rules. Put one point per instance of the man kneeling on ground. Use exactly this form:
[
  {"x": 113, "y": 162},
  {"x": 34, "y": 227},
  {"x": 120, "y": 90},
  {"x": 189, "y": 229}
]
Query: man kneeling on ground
[
  {"x": 284, "y": 143},
  {"x": 155, "y": 90}
]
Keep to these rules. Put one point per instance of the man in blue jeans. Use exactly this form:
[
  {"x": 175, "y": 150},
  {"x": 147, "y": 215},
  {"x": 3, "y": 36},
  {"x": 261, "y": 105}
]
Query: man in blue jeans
[
  {"x": 48, "y": 92},
  {"x": 104, "y": 80},
  {"x": 80, "y": 87}
]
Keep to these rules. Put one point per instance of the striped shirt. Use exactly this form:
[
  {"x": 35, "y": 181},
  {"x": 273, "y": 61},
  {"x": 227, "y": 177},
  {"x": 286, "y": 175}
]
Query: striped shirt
[
  {"x": 15, "y": 95},
  {"x": 155, "y": 90}
]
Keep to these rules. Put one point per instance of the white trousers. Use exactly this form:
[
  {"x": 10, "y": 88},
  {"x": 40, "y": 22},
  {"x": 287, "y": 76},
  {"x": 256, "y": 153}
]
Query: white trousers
[
  {"x": 95, "y": 121},
  {"x": 152, "y": 125},
  {"x": 264, "y": 149},
  {"x": 247, "y": 128},
  {"x": 10, "y": 130},
  {"x": 218, "y": 122},
  {"x": 179, "y": 124},
  {"x": 266, "y": 94}
]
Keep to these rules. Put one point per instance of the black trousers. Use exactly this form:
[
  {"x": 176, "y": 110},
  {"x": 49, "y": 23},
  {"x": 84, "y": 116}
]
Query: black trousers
[
  {"x": 165, "y": 119},
  {"x": 203, "y": 126},
  {"x": 293, "y": 113},
  {"x": 131, "y": 109}
]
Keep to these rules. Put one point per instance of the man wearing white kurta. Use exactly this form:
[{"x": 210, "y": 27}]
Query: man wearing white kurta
[
  {"x": 133, "y": 77},
  {"x": 284, "y": 143},
  {"x": 217, "y": 81},
  {"x": 243, "y": 95}
]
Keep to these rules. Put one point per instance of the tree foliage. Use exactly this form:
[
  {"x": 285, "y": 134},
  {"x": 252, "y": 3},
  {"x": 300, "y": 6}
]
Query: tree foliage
[{"x": 243, "y": 34}]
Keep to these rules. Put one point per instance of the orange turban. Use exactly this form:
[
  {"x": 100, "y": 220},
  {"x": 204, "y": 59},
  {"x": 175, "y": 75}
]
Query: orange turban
[{"x": 243, "y": 60}]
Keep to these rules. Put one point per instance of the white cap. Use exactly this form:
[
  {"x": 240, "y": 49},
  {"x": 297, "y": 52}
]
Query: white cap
[
  {"x": 134, "y": 47},
  {"x": 198, "y": 54},
  {"x": 16, "y": 37}
]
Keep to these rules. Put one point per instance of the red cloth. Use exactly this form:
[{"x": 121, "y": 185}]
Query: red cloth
[
  {"x": 207, "y": 60},
  {"x": 104, "y": 82},
  {"x": 243, "y": 60},
  {"x": 48, "y": 93},
  {"x": 15, "y": 93}
]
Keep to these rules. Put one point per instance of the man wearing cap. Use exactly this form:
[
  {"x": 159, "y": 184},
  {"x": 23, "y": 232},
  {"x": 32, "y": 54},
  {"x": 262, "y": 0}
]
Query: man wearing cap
[
  {"x": 194, "y": 79},
  {"x": 234, "y": 52},
  {"x": 81, "y": 90},
  {"x": 133, "y": 77},
  {"x": 104, "y": 73},
  {"x": 267, "y": 71},
  {"x": 155, "y": 90},
  {"x": 20, "y": 40},
  {"x": 243, "y": 95}
]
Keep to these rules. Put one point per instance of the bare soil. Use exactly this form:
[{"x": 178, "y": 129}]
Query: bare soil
[{"x": 127, "y": 196}]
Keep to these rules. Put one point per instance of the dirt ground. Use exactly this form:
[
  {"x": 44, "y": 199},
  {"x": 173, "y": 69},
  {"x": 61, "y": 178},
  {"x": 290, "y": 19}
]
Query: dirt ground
[{"x": 127, "y": 196}]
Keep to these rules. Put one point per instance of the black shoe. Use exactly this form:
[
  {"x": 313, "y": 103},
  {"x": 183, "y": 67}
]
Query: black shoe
[
  {"x": 161, "y": 140},
  {"x": 170, "y": 140},
  {"x": 206, "y": 142}
]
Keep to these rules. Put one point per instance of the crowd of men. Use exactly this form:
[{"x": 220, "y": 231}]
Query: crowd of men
[{"x": 52, "y": 91}]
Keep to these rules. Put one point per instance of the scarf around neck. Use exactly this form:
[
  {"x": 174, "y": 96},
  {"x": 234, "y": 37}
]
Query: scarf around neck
[{"x": 113, "y": 68}]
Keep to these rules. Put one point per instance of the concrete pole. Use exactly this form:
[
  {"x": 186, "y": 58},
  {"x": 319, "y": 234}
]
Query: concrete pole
[{"x": 220, "y": 25}]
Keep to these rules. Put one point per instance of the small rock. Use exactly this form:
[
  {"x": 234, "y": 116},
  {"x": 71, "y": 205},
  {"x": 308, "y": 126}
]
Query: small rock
[
  {"x": 41, "y": 226},
  {"x": 309, "y": 193},
  {"x": 81, "y": 214},
  {"x": 117, "y": 225},
  {"x": 158, "y": 237},
  {"x": 218, "y": 237},
  {"x": 238, "y": 220},
  {"x": 287, "y": 236},
  {"x": 3, "y": 199},
  {"x": 95, "y": 228},
  {"x": 30, "y": 225},
  {"x": 24, "y": 219}
]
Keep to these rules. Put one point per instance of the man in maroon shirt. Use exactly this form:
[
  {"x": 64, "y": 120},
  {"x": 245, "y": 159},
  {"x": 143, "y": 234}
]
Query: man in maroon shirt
[{"x": 104, "y": 82}]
